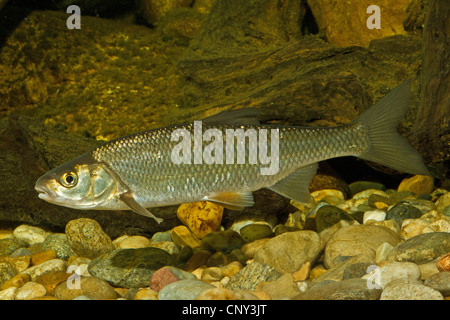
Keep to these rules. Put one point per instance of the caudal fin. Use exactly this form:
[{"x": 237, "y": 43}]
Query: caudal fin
[{"x": 387, "y": 146}]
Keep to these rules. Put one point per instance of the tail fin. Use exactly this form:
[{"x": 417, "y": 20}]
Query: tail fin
[{"x": 387, "y": 146}]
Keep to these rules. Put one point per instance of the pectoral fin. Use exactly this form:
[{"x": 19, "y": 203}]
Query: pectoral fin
[
  {"x": 296, "y": 185},
  {"x": 129, "y": 200},
  {"x": 232, "y": 200}
]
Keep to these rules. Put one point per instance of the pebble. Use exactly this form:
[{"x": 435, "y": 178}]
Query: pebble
[
  {"x": 251, "y": 275},
  {"x": 329, "y": 219},
  {"x": 8, "y": 294},
  {"x": 16, "y": 281},
  {"x": 182, "y": 236},
  {"x": 394, "y": 271},
  {"x": 200, "y": 217},
  {"x": 403, "y": 210},
  {"x": 356, "y": 270},
  {"x": 439, "y": 282},
  {"x": 129, "y": 268},
  {"x": 43, "y": 256},
  {"x": 281, "y": 289},
  {"x": 302, "y": 273},
  {"x": 224, "y": 294},
  {"x": 443, "y": 263},
  {"x": 382, "y": 252},
  {"x": 422, "y": 248},
  {"x": 289, "y": 251},
  {"x": 222, "y": 240},
  {"x": 231, "y": 269},
  {"x": 376, "y": 215},
  {"x": 133, "y": 242},
  {"x": 47, "y": 266},
  {"x": 349, "y": 289},
  {"x": 166, "y": 275},
  {"x": 168, "y": 246},
  {"x": 418, "y": 184},
  {"x": 359, "y": 239},
  {"x": 358, "y": 186},
  {"x": 29, "y": 235},
  {"x": 20, "y": 263},
  {"x": 51, "y": 279},
  {"x": 7, "y": 271},
  {"x": 92, "y": 287},
  {"x": 146, "y": 294},
  {"x": 336, "y": 273},
  {"x": 30, "y": 290},
  {"x": 58, "y": 242},
  {"x": 9, "y": 245},
  {"x": 198, "y": 259},
  {"x": 211, "y": 274},
  {"x": 187, "y": 289},
  {"x": 404, "y": 289},
  {"x": 255, "y": 231},
  {"x": 87, "y": 238},
  {"x": 443, "y": 202},
  {"x": 321, "y": 194},
  {"x": 249, "y": 249},
  {"x": 218, "y": 259}
]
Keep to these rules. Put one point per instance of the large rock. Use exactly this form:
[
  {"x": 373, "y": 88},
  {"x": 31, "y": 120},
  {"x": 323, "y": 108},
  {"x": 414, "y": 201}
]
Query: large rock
[
  {"x": 290, "y": 250},
  {"x": 354, "y": 240}
]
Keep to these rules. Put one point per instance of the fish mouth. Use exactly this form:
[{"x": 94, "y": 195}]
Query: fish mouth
[{"x": 44, "y": 193}]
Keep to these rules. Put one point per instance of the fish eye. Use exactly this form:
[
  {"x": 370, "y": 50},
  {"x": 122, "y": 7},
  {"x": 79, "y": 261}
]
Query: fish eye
[{"x": 69, "y": 179}]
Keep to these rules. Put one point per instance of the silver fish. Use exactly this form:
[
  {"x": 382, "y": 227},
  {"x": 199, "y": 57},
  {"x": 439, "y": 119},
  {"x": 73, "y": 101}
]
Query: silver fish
[{"x": 153, "y": 168}]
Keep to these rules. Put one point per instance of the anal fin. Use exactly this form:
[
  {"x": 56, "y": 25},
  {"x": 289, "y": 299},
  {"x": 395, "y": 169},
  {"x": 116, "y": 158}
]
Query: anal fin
[
  {"x": 129, "y": 200},
  {"x": 296, "y": 185},
  {"x": 232, "y": 200}
]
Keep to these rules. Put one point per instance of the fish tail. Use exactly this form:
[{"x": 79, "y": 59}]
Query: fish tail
[{"x": 386, "y": 145}]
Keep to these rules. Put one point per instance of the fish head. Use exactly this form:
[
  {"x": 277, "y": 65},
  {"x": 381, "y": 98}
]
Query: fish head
[{"x": 80, "y": 184}]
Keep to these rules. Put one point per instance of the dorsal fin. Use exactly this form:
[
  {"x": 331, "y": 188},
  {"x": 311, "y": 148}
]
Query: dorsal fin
[
  {"x": 246, "y": 116},
  {"x": 296, "y": 185}
]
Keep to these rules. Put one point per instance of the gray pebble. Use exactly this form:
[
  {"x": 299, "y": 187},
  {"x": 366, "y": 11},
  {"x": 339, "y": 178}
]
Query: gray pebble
[{"x": 187, "y": 289}]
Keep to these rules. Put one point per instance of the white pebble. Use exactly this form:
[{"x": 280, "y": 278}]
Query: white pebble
[
  {"x": 30, "y": 235},
  {"x": 377, "y": 215},
  {"x": 30, "y": 290}
]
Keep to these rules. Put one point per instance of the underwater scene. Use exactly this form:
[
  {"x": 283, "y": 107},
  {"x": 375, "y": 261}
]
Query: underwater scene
[{"x": 253, "y": 150}]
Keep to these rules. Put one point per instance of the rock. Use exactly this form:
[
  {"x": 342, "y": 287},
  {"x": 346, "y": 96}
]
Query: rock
[
  {"x": 344, "y": 24},
  {"x": 422, "y": 248},
  {"x": 403, "y": 210},
  {"x": 7, "y": 271},
  {"x": 413, "y": 227},
  {"x": 161, "y": 236},
  {"x": 168, "y": 246},
  {"x": 402, "y": 289},
  {"x": 323, "y": 194},
  {"x": 224, "y": 294},
  {"x": 289, "y": 251},
  {"x": 198, "y": 259},
  {"x": 222, "y": 240},
  {"x": 9, "y": 245},
  {"x": 29, "y": 234},
  {"x": 30, "y": 290},
  {"x": 282, "y": 288},
  {"x": 8, "y": 294},
  {"x": 21, "y": 252},
  {"x": 251, "y": 275},
  {"x": 187, "y": 289},
  {"x": 249, "y": 249},
  {"x": 302, "y": 273},
  {"x": 427, "y": 269},
  {"x": 43, "y": 256},
  {"x": 58, "y": 242},
  {"x": 329, "y": 219},
  {"x": 439, "y": 282},
  {"x": 200, "y": 217},
  {"x": 358, "y": 186},
  {"x": 92, "y": 287},
  {"x": 166, "y": 275},
  {"x": 443, "y": 264},
  {"x": 377, "y": 215},
  {"x": 255, "y": 231},
  {"x": 16, "y": 281},
  {"x": 211, "y": 274},
  {"x": 133, "y": 242},
  {"x": 182, "y": 236},
  {"x": 417, "y": 184},
  {"x": 146, "y": 294},
  {"x": 129, "y": 268},
  {"x": 349, "y": 289},
  {"x": 52, "y": 279},
  {"x": 440, "y": 225},
  {"x": 19, "y": 262},
  {"x": 87, "y": 239},
  {"x": 47, "y": 266},
  {"x": 394, "y": 271},
  {"x": 423, "y": 205},
  {"x": 336, "y": 273},
  {"x": 382, "y": 252},
  {"x": 443, "y": 202},
  {"x": 356, "y": 270},
  {"x": 354, "y": 240},
  {"x": 231, "y": 269}
]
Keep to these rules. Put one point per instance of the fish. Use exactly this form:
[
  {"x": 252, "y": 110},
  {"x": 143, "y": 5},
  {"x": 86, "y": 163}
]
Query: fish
[{"x": 224, "y": 158}]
